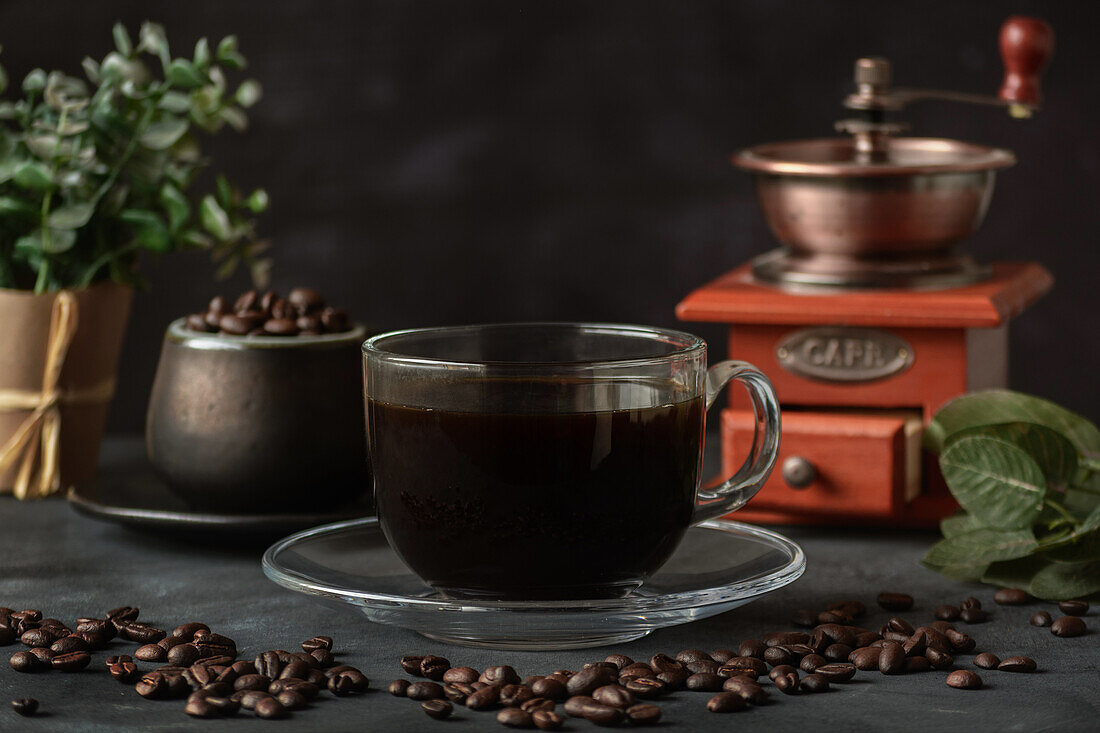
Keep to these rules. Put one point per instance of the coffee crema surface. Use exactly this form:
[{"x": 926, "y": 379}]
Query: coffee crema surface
[{"x": 535, "y": 504}]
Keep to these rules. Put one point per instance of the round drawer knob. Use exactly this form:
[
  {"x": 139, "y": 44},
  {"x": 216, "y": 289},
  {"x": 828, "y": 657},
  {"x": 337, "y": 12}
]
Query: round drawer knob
[{"x": 798, "y": 472}]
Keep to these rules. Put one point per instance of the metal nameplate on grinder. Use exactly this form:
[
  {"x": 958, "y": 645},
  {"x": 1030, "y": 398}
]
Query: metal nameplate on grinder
[{"x": 844, "y": 354}]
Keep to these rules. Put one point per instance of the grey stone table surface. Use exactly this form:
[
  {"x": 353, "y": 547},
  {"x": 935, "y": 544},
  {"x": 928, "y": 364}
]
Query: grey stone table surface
[{"x": 69, "y": 565}]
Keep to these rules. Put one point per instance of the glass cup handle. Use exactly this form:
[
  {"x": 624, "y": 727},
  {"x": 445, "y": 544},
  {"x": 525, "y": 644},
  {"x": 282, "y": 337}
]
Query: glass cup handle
[{"x": 737, "y": 490}]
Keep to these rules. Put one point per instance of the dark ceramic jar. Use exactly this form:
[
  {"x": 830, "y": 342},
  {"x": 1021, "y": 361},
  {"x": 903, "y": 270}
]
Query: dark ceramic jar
[{"x": 259, "y": 424}]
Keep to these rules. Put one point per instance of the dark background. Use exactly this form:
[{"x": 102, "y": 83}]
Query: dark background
[{"x": 464, "y": 161}]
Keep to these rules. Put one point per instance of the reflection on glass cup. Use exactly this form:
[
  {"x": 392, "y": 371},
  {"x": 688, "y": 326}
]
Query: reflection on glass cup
[{"x": 548, "y": 460}]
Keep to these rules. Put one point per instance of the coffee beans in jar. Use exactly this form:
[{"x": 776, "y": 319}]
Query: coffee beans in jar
[{"x": 304, "y": 312}]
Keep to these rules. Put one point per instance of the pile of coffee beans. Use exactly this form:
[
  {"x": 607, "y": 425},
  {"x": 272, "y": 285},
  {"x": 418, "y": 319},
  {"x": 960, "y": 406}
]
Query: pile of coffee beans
[
  {"x": 194, "y": 663},
  {"x": 303, "y": 312},
  {"x": 619, "y": 689}
]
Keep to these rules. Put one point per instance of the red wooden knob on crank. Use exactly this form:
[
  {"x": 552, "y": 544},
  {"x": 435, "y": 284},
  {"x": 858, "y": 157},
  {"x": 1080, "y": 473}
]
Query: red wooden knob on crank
[{"x": 1026, "y": 46}]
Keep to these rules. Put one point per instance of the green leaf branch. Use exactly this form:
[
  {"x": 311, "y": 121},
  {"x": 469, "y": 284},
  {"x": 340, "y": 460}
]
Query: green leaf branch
[
  {"x": 95, "y": 171},
  {"x": 1023, "y": 469}
]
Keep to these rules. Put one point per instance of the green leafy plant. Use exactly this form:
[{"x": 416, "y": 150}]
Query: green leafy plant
[
  {"x": 1026, "y": 473},
  {"x": 93, "y": 172}
]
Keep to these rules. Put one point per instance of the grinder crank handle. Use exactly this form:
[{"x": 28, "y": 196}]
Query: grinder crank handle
[{"x": 1026, "y": 45}]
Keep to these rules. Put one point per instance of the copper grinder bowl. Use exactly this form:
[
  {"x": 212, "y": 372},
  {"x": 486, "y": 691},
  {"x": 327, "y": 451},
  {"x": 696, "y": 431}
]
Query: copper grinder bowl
[
  {"x": 259, "y": 424},
  {"x": 823, "y": 198}
]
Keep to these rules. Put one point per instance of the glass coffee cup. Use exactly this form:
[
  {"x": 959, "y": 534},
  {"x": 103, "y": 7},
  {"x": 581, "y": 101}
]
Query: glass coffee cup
[{"x": 548, "y": 461}]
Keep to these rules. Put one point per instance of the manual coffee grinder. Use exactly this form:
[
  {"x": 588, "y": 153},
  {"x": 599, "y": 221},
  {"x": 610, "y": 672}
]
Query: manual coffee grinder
[{"x": 868, "y": 318}]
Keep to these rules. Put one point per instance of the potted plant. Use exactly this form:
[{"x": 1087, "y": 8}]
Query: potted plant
[{"x": 95, "y": 172}]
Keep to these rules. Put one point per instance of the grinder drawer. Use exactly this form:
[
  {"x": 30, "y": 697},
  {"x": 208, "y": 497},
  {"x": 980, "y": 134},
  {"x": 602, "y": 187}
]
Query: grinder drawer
[{"x": 851, "y": 463}]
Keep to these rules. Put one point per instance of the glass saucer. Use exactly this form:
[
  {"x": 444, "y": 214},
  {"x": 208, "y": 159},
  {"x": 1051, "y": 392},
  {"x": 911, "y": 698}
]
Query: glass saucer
[{"x": 719, "y": 566}]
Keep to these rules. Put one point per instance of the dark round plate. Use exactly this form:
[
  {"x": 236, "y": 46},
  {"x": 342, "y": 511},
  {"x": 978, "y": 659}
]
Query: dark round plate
[{"x": 142, "y": 500}]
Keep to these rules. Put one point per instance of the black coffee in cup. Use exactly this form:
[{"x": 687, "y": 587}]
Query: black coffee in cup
[{"x": 525, "y": 505}]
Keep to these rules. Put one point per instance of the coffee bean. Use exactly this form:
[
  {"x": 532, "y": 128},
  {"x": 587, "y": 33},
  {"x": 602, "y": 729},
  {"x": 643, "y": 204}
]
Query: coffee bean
[
  {"x": 484, "y": 698},
  {"x": 752, "y": 648},
  {"x": 964, "y": 679},
  {"x": 1074, "y": 608},
  {"x": 460, "y": 674},
  {"x": 853, "y": 608},
  {"x": 748, "y": 690},
  {"x": 252, "y": 682},
  {"x": 317, "y": 642},
  {"x": 865, "y": 658},
  {"x": 891, "y": 659},
  {"x": 214, "y": 645},
  {"x": 776, "y": 638},
  {"x": 1011, "y": 597},
  {"x": 947, "y": 613},
  {"x": 41, "y": 637},
  {"x": 547, "y": 720},
  {"x": 142, "y": 633},
  {"x": 499, "y": 675},
  {"x": 588, "y": 680},
  {"x": 309, "y": 690},
  {"x": 838, "y": 634},
  {"x": 960, "y": 642},
  {"x": 535, "y": 704},
  {"x": 199, "y": 707},
  {"x": 740, "y": 664},
  {"x": 779, "y": 671},
  {"x": 895, "y": 601},
  {"x": 833, "y": 617},
  {"x": 515, "y": 695},
  {"x": 123, "y": 671},
  {"x": 974, "y": 615},
  {"x": 249, "y": 698},
  {"x": 183, "y": 655},
  {"x": 865, "y": 639},
  {"x": 187, "y": 631},
  {"x": 424, "y": 691},
  {"x": 836, "y": 672},
  {"x": 575, "y": 705},
  {"x": 917, "y": 664},
  {"x": 1017, "y": 664},
  {"x": 434, "y": 667},
  {"x": 43, "y": 655},
  {"x": 810, "y": 662},
  {"x": 335, "y": 320},
  {"x": 788, "y": 683},
  {"x": 549, "y": 688},
  {"x": 704, "y": 682},
  {"x": 726, "y": 702},
  {"x": 352, "y": 681},
  {"x": 815, "y": 683},
  {"x": 247, "y": 301},
  {"x": 643, "y": 714},
  {"x": 804, "y": 617},
  {"x": 970, "y": 602},
  {"x": 152, "y": 685},
  {"x": 151, "y": 653},
  {"x": 914, "y": 645},
  {"x": 837, "y": 652},
  {"x": 438, "y": 709},
  {"x": 987, "y": 660},
  {"x": 295, "y": 669},
  {"x": 1068, "y": 626},
  {"x": 514, "y": 718},
  {"x": 779, "y": 655},
  {"x": 269, "y": 708},
  {"x": 721, "y": 656},
  {"x": 646, "y": 687},
  {"x": 69, "y": 644},
  {"x": 25, "y": 662},
  {"x": 1041, "y": 618},
  {"x": 26, "y": 706},
  {"x": 305, "y": 299},
  {"x": 939, "y": 659},
  {"x": 71, "y": 661},
  {"x": 603, "y": 715}
]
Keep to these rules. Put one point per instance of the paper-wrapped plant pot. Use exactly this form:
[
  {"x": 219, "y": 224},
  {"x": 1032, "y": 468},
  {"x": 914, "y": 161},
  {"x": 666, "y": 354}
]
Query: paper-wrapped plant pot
[{"x": 59, "y": 356}]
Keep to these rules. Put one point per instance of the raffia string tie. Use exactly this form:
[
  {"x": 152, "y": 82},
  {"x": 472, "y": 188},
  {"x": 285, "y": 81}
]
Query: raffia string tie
[{"x": 35, "y": 446}]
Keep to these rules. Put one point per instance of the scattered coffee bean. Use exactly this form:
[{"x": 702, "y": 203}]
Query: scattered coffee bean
[
  {"x": 865, "y": 658},
  {"x": 815, "y": 683},
  {"x": 537, "y": 703},
  {"x": 895, "y": 601},
  {"x": 810, "y": 662},
  {"x": 499, "y": 675},
  {"x": 959, "y": 641},
  {"x": 836, "y": 671},
  {"x": 123, "y": 671},
  {"x": 749, "y": 690},
  {"x": 71, "y": 662},
  {"x": 1040, "y": 618},
  {"x": 187, "y": 631},
  {"x": 438, "y": 709},
  {"x": 1012, "y": 597},
  {"x": 515, "y": 695},
  {"x": 398, "y": 688},
  {"x": 726, "y": 702},
  {"x": 588, "y": 680},
  {"x": 151, "y": 653},
  {"x": 987, "y": 660},
  {"x": 433, "y": 667},
  {"x": 142, "y": 633},
  {"x": 646, "y": 687},
  {"x": 26, "y": 706},
  {"x": 547, "y": 720},
  {"x": 974, "y": 615},
  {"x": 752, "y": 648},
  {"x": 317, "y": 642},
  {"x": 514, "y": 718},
  {"x": 1068, "y": 626},
  {"x": 704, "y": 682},
  {"x": 461, "y": 674},
  {"x": 788, "y": 683},
  {"x": 947, "y": 613},
  {"x": 804, "y": 617},
  {"x": 1017, "y": 664},
  {"x": 1074, "y": 608},
  {"x": 964, "y": 679},
  {"x": 722, "y": 655},
  {"x": 891, "y": 658},
  {"x": 484, "y": 698},
  {"x": 269, "y": 708},
  {"x": 939, "y": 659},
  {"x": 970, "y": 602},
  {"x": 550, "y": 688},
  {"x": 643, "y": 714},
  {"x": 302, "y": 311}
]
